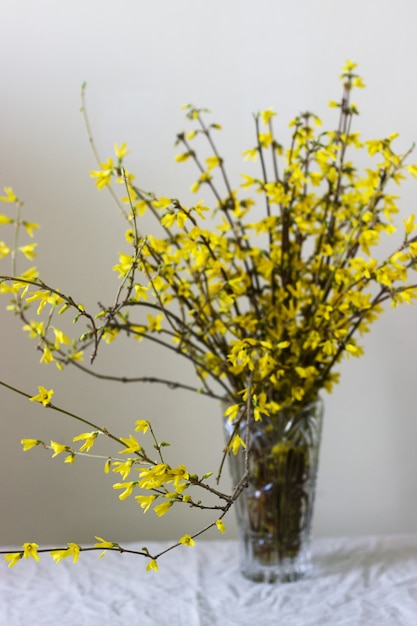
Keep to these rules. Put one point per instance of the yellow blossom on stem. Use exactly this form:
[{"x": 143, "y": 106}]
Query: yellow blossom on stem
[
  {"x": 200, "y": 209},
  {"x": 184, "y": 156},
  {"x": 152, "y": 565},
  {"x": 155, "y": 322},
  {"x": 29, "y": 250},
  {"x": 104, "y": 175},
  {"x": 163, "y": 508},
  {"x": 72, "y": 550},
  {"x": 10, "y": 195},
  {"x": 44, "y": 396},
  {"x": 58, "y": 448},
  {"x": 232, "y": 411},
  {"x": 179, "y": 473},
  {"x": 132, "y": 445},
  {"x": 266, "y": 115},
  {"x": 141, "y": 426},
  {"x": 47, "y": 356},
  {"x": 35, "y": 329},
  {"x": 110, "y": 335},
  {"x": 236, "y": 443},
  {"x": 154, "y": 477},
  {"x": 220, "y": 526},
  {"x": 409, "y": 224},
  {"x": 349, "y": 67},
  {"x": 145, "y": 501},
  {"x": 128, "y": 489},
  {"x": 29, "y": 443},
  {"x": 58, "y": 555},
  {"x": 89, "y": 440},
  {"x": 120, "y": 151},
  {"x": 102, "y": 543},
  {"x": 4, "y": 250},
  {"x": 204, "y": 178},
  {"x": 123, "y": 467},
  {"x": 60, "y": 338},
  {"x": 30, "y": 227},
  {"x": 30, "y": 551},
  {"x": 76, "y": 356},
  {"x": 141, "y": 292},
  {"x": 13, "y": 558},
  {"x": 168, "y": 220},
  {"x": 358, "y": 82},
  {"x": 162, "y": 202},
  {"x": 45, "y": 297},
  {"x": 412, "y": 169},
  {"x": 251, "y": 154},
  {"x": 187, "y": 540},
  {"x": 212, "y": 162}
]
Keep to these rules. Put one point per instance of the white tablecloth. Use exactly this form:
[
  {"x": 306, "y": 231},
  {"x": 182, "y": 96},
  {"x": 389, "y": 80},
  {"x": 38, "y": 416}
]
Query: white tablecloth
[{"x": 356, "y": 582}]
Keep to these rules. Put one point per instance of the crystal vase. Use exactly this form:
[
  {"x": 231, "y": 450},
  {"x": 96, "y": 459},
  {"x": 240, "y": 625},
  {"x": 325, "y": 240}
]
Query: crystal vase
[{"x": 275, "y": 510}]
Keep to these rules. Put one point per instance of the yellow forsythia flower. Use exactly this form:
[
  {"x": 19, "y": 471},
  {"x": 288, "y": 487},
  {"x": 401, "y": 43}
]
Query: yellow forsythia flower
[
  {"x": 212, "y": 162},
  {"x": 128, "y": 488},
  {"x": 29, "y": 443},
  {"x": 187, "y": 540},
  {"x": 10, "y": 195},
  {"x": 29, "y": 250},
  {"x": 57, "y": 448},
  {"x": 131, "y": 445},
  {"x": 220, "y": 526},
  {"x": 236, "y": 444},
  {"x": 141, "y": 426},
  {"x": 13, "y": 558},
  {"x": 152, "y": 565},
  {"x": 44, "y": 396},
  {"x": 72, "y": 550},
  {"x": 105, "y": 544},
  {"x": 145, "y": 501},
  {"x": 120, "y": 151},
  {"x": 163, "y": 508},
  {"x": 89, "y": 440},
  {"x": 266, "y": 115},
  {"x": 30, "y": 550}
]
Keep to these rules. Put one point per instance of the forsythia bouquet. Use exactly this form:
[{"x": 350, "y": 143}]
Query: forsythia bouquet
[{"x": 264, "y": 294}]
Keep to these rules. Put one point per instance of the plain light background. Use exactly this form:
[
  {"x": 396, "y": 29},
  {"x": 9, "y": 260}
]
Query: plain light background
[{"x": 142, "y": 60}]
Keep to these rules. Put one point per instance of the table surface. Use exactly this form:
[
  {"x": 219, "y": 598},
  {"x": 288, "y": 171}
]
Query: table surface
[{"x": 356, "y": 581}]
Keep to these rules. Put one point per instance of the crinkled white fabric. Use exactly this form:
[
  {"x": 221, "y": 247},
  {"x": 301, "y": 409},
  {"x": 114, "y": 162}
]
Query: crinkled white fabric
[{"x": 356, "y": 582}]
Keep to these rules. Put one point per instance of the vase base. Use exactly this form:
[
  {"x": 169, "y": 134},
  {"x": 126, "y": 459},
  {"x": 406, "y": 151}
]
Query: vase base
[
  {"x": 284, "y": 571},
  {"x": 273, "y": 575}
]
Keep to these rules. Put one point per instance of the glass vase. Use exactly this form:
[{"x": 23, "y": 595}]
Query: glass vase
[{"x": 275, "y": 510}]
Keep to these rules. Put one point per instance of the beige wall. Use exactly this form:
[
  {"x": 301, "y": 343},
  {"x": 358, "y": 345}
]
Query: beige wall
[{"x": 141, "y": 61}]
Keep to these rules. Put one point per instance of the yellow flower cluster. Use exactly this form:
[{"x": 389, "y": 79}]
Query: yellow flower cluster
[
  {"x": 281, "y": 298},
  {"x": 153, "y": 477},
  {"x": 263, "y": 293}
]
